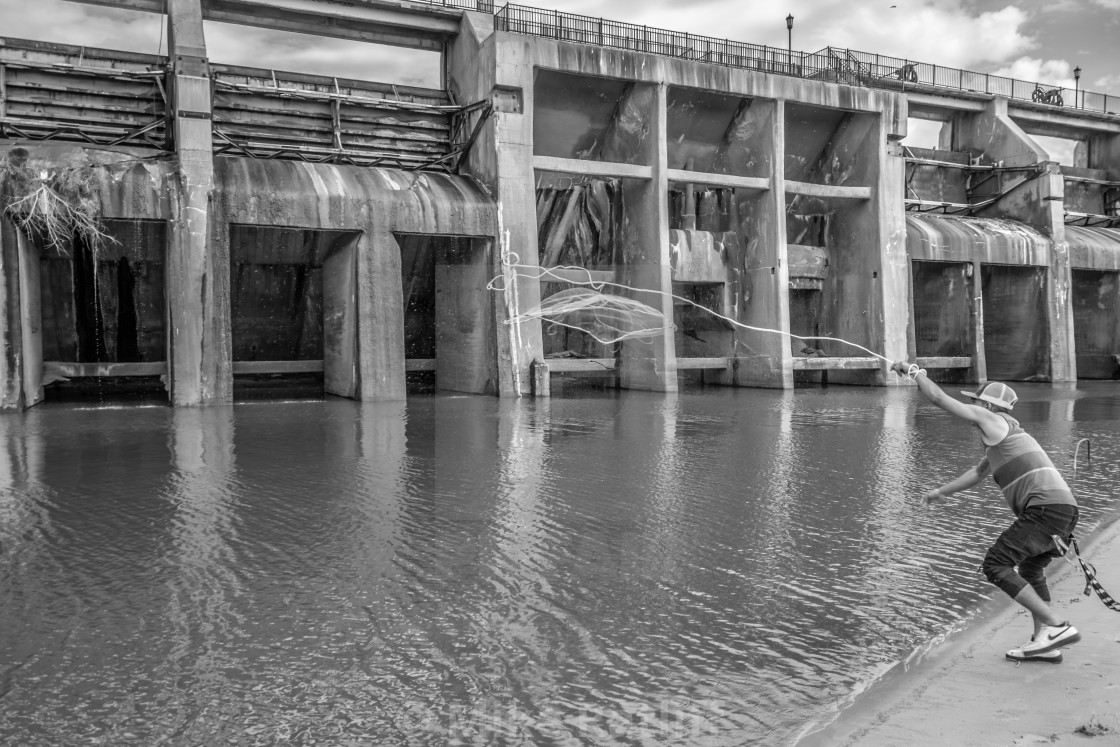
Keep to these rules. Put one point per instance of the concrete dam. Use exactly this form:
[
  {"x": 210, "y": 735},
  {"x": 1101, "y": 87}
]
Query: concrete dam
[{"x": 188, "y": 228}]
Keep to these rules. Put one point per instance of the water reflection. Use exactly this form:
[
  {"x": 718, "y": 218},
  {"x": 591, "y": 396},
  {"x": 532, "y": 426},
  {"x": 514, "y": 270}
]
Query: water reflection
[{"x": 705, "y": 568}]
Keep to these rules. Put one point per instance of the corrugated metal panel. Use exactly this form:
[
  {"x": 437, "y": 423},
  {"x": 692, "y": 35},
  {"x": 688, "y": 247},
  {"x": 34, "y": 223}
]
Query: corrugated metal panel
[
  {"x": 960, "y": 239},
  {"x": 1094, "y": 248}
]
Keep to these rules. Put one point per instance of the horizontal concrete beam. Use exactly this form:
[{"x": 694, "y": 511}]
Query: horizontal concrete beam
[
  {"x": 718, "y": 180},
  {"x": 828, "y": 190},
  {"x": 399, "y": 24},
  {"x": 964, "y": 361},
  {"x": 703, "y": 364},
  {"x": 835, "y": 364},
  {"x": 1073, "y": 123},
  {"x": 591, "y": 168},
  {"x": 277, "y": 367},
  {"x": 580, "y": 365},
  {"x": 315, "y": 366},
  {"x": 82, "y": 370},
  {"x": 932, "y": 106},
  {"x": 575, "y": 275}
]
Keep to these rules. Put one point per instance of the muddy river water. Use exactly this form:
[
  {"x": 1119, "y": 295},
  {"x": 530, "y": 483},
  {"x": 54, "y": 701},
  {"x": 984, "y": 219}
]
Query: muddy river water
[{"x": 717, "y": 567}]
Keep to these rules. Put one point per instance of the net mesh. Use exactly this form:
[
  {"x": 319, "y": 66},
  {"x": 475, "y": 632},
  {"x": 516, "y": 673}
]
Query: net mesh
[{"x": 607, "y": 318}]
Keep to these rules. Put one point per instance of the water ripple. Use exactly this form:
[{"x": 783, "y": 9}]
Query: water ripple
[{"x": 717, "y": 568}]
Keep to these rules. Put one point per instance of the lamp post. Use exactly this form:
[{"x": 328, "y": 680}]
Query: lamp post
[
  {"x": 1076, "y": 86},
  {"x": 789, "y": 31},
  {"x": 789, "y": 28}
]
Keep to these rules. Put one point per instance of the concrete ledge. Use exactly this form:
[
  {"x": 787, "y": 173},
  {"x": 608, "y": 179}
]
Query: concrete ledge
[
  {"x": 575, "y": 275},
  {"x": 81, "y": 370},
  {"x": 577, "y": 365},
  {"x": 591, "y": 168},
  {"x": 718, "y": 180},
  {"x": 277, "y": 367},
  {"x": 703, "y": 364},
  {"x": 835, "y": 364},
  {"x": 828, "y": 190},
  {"x": 948, "y": 362}
]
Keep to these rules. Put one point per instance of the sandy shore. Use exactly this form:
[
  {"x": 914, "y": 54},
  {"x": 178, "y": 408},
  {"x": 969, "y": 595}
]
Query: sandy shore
[{"x": 963, "y": 691}]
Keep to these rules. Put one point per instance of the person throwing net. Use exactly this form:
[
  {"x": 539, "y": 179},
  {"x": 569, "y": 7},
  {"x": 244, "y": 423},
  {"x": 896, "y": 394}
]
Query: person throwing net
[{"x": 1038, "y": 495}]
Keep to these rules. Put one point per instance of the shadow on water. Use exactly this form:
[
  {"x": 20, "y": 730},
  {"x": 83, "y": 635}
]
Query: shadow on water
[{"x": 716, "y": 567}]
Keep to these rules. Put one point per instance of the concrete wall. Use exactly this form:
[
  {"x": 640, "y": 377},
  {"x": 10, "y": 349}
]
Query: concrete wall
[
  {"x": 378, "y": 203},
  {"x": 655, "y": 134},
  {"x": 722, "y": 156}
]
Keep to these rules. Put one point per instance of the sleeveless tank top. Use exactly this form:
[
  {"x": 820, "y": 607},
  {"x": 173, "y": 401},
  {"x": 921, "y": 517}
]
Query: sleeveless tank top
[{"x": 1024, "y": 472}]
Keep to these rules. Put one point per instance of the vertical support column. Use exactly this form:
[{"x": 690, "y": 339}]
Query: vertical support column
[
  {"x": 509, "y": 135},
  {"x": 381, "y": 366},
  {"x": 1059, "y": 285},
  {"x": 464, "y": 348},
  {"x": 11, "y": 336},
  {"x": 340, "y": 319},
  {"x": 651, "y": 364},
  {"x": 896, "y": 272},
  {"x": 765, "y": 359},
  {"x": 199, "y": 352},
  {"x": 31, "y": 316},
  {"x": 979, "y": 370}
]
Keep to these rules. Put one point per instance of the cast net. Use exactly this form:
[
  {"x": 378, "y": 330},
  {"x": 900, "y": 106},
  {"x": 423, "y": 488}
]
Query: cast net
[{"x": 607, "y": 318}]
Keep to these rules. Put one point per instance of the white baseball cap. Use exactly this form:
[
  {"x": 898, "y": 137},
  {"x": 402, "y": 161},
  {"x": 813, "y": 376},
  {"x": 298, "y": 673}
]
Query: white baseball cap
[{"x": 997, "y": 393}]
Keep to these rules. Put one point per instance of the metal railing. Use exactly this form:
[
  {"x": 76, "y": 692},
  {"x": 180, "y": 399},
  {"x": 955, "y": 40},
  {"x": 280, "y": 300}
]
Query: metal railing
[{"x": 831, "y": 63}]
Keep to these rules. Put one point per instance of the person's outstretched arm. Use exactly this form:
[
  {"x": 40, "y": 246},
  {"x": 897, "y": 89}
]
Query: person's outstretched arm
[
  {"x": 969, "y": 479},
  {"x": 991, "y": 425}
]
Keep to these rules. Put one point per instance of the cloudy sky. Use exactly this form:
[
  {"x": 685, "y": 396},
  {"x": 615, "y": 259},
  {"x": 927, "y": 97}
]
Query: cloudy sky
[
  {"x": 1033, "y": 40},
  {"x": 1040, "y": 40}
]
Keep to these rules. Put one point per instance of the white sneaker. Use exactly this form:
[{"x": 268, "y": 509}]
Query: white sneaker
[
  {"x": 1017, "y": 654},
  {"x": 1052, "y": 637}
]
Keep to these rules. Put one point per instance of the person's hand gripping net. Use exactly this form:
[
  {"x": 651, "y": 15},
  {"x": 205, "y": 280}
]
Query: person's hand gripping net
[{"x": 909, "y": 370}]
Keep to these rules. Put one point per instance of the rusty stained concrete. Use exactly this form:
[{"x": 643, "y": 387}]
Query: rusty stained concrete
[
  {"x": 378, "y": 203},
  {"x": 375, "y": 202}
]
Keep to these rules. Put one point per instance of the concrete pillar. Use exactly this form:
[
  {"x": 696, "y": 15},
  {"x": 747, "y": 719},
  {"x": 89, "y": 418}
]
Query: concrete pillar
[
  {"x": 1036, "y": 200},
  {"x": 198, "y": 338},
  {"x": 650, "y": 364},
  {"x": 464, "y": 318},
  {"x": 11, "y": 334},
  {"x": 896, "y": 276},
  {"x": 502, "y": 159},
  {"x": 764, "y": 359},
  {"x": 340, "y": 320},
  {"x": 381, "y": 367},
  {"x": 979, "y": 370},
  {"x": 1104, "y": 153},
  {"x": 31, "y": 320}
]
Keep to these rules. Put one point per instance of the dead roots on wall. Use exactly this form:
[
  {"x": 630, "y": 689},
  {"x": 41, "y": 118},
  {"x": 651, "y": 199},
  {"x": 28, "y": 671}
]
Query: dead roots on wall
[{"x": 56, "y": 203}]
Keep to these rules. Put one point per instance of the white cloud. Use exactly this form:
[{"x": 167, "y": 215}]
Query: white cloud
[
  {"x": 236, "y": 45},
  {"x": 1105, "y": 83},
  {"x": 1047, "y": 72},
  {"x": 84, "y": 25},
  {"x": 1108, "y": 4},
  {"x": 945, "y": 32},
  {"x": 953, "y": 33}
]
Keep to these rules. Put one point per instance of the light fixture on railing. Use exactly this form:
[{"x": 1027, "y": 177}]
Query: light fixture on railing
[{"x": 1076, "y": 85}]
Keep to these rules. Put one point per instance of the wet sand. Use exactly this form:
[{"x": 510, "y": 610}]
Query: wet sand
[{"x": 964, "y": 692}]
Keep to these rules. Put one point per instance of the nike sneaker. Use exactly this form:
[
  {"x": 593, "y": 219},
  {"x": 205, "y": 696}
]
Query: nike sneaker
[{"x": 1052, "y": 637}]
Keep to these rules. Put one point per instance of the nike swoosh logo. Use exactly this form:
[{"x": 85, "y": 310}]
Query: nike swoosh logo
[{"x": 1052, "y": 636}]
